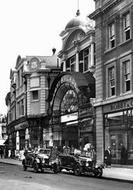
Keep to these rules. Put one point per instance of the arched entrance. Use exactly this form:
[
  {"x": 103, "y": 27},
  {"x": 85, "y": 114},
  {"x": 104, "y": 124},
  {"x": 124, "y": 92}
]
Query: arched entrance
[
  {"x": 65, "y": 115},
  {"x": 68, "y": 96}
]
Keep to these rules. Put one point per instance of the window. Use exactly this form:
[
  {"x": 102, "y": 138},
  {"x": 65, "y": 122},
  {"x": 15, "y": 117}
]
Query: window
[
  {"x": 111, "y": 81},
  {"x": 86, "y": 59},
  {"x": 126, "y": 27},
  {"x": 35, "y": 95},
  {"x": 21, "y": 107},
  {"x": 20, "y": 77},
  {"x": 126, "y": 75},
  {"x": 71, "y": 64},
  {"x": 81, "y": 61},
  {"x": 112, "y": 35},
  {"x": 62, "y": 66}
]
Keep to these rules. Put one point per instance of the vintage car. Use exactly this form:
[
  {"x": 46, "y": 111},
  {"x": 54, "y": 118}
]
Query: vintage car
[
  {"x": 80, "y": 165},
  {"x": 40, "y": 161},
  {"x": 69, "y": 163},
  {"x": 90, "y": 167}
]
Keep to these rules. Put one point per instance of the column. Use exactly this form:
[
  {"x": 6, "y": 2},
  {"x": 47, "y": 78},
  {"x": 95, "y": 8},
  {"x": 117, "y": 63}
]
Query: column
[
  {"x": 17, "y": 141},
  {"x": 27, "y": 138},
  {"x": 92, "y": 55},
  {"x": 77, "y": 62}
]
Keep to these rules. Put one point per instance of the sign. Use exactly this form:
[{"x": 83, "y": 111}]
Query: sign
[
  {"x": 69, "y": 117},
  {"x": 121, "y": 105}
]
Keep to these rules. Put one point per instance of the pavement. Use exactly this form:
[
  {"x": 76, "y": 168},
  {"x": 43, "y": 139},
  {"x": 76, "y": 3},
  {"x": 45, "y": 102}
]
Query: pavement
[{"x": 121, "y": 173}]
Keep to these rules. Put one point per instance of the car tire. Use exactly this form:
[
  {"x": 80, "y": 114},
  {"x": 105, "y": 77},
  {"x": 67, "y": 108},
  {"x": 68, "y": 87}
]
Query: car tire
[
  {"x": 77, "y": 170},
  {"x": 24, "y": 166},
  {"x": 36, "y": 168},
  {"x": 99, "y": 172},
  {"x": 55, "y": 169}
]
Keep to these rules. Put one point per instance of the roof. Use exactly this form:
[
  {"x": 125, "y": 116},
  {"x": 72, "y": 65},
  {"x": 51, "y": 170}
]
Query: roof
[{"x": 80, "y": 22}]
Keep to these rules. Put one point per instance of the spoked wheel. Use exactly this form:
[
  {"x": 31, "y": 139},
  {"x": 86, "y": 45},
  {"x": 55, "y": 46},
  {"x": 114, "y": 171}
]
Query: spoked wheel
[
  {"x": 99, "y": 172},
  {"x": 55, "y": 169},
  {"x": 77, "y": 170},
  {"x": 36, "y": 168},
  {"x": 24, "y": 167}
]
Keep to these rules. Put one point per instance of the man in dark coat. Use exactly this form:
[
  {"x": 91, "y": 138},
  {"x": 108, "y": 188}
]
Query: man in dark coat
[{"x": 107, "y": 157}]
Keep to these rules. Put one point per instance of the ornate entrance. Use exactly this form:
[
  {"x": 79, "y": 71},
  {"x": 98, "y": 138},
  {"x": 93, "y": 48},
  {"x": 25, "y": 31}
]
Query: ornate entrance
[{"x": 67, "y": 95}]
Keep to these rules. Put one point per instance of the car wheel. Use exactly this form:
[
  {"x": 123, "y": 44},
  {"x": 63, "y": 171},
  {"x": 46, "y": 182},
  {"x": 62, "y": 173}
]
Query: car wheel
[
  {"x": 24, "y": 166},
  {"x": 77, "y": 170},
  {"x": 36, "y": 168},
  {"x": 55, "y": 169},
  {"x": 98, "y": 172}
]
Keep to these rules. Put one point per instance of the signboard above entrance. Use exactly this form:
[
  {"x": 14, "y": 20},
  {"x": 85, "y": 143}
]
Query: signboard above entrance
[{"x": 69, "y": 117}]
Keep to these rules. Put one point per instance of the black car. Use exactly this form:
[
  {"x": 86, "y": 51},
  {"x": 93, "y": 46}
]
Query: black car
[
  {"x": 69, "y": 163},
  {"x": 40, "y": 161},
  {"x": 90, "y": 167},
  {"x": 80, "y": 165}
]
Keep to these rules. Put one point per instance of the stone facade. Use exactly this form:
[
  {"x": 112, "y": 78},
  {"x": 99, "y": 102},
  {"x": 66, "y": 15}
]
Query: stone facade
[{"x": 114, "y": 58}]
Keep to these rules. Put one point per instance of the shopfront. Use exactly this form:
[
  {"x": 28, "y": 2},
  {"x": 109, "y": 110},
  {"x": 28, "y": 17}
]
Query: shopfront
[{"x": 118, "y": 131}]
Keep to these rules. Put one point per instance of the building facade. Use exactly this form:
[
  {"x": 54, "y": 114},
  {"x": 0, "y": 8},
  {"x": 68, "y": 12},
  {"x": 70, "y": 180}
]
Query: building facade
[
  {"x": 50, "y": 102},
  {"x": 27, "y": 100},
  {"x": 72, "y": 120},
  {"x": 3, "y": 132},
  {"x": 114, "y": 79}
]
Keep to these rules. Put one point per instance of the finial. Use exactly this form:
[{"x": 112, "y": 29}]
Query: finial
[{"x": 78, "y": 12}]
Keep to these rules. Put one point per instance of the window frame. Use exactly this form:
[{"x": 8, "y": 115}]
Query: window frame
[
  {"x": 108, "y": 67},
  {"x": 126, "y": 26},
  {"x": 32, "y": 98},
  {"x": 123, "y": 76},
  {"x": 112, "y": 79},
  {"x": 111, "y": 35}
]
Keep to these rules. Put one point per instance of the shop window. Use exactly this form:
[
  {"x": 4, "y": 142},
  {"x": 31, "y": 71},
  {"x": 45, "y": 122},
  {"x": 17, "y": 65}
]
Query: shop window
[
  {"x": 111, "y": 81},
  {"x": 126, "y": 76},
  {"x": 111, "y": 35},
  {"x": 35, "y": 95},
  {"x": 126, "y": 27}
]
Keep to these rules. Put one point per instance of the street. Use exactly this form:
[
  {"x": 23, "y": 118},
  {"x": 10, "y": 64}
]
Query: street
[{"x": 13, "y": 177}]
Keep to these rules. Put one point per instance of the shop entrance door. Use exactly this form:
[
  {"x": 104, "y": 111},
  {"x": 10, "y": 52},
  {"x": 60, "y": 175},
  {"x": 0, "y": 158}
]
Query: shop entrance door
[
  {"x": 70, "y": 136},
  {"x": 118, "y": 140}
]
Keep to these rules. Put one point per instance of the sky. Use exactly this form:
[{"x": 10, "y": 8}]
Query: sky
[{"x": 32, "y": 27}]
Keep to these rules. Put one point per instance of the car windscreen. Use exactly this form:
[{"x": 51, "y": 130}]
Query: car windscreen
[{"x": 42, "y": 151}]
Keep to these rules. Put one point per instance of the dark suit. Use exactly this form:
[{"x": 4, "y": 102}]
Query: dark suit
[{"x": 107, "y": 157}]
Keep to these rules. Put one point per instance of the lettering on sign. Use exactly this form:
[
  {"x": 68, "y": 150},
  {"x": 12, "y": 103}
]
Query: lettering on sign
[{"x": 122, "y": 105}]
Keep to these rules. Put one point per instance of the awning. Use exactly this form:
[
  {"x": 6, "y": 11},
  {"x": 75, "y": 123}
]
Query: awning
[{"x": 2, "y": 142}]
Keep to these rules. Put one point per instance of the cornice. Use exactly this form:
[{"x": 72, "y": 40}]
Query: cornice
[{"x": 98, "y": 12}]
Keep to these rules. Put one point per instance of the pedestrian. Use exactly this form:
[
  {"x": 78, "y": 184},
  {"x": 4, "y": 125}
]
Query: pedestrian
[
  {"x": 66, "y": 150},
  {"x": 1, "y": 152},
  {"x": 107, "y": 157},
  {"x": 72, "y": 150},
  {"x": 93, "y": 154},
  {"x": 123, "y": 154}
]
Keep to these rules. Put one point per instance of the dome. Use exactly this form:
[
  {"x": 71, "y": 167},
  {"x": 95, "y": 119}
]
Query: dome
[{"x": 77, "y": 21}]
